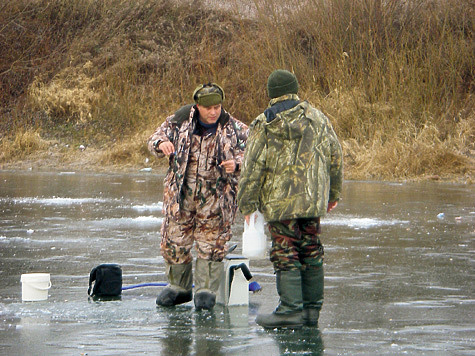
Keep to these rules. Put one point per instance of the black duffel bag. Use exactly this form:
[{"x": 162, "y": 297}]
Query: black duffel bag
[{"x": 107, "y": 280}]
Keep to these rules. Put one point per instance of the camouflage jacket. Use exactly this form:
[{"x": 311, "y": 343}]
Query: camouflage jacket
[
  {"x": 293, "y": 162},
  {"x": 230, "y": 141}
]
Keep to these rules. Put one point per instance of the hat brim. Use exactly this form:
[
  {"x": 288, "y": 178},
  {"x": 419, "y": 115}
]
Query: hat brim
[{"x": 209, "y": 99}]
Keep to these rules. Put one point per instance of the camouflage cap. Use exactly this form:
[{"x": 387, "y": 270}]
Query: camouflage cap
[{"x": 208, "y": 94}]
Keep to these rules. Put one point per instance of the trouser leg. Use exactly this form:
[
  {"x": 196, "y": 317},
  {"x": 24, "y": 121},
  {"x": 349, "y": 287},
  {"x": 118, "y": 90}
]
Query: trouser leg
[
  {"x": 177, "y": 239},
  {"x": 176, "y": 245},
  {"x": 211, "y": 235},
  {"x": 312, "y": 270},
  {"x": 296, "y": 248}
]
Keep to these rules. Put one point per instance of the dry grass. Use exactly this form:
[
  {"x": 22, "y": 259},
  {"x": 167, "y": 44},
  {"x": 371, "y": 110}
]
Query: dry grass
[
  {"x": 128, "y": 153},
  {"x": 69, "y": 94},
  {"x": 22, "y": 144},
  {"x": 423, "y": 156},
  {"x": 396, "y": 78}
]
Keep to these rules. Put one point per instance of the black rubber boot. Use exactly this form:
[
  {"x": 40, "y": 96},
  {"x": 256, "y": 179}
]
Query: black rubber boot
[
  {"x": 289, "y": 312},
  {"x": 204, "y": 300},
  {"x": 312, "y": 293},
  {"x": 180, "y": 278},
  {"x": 171, "y": 296}
]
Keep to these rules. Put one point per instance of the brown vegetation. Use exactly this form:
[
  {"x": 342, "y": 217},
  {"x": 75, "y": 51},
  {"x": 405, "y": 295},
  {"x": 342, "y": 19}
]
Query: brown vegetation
[{"x": 395, "y": 77}]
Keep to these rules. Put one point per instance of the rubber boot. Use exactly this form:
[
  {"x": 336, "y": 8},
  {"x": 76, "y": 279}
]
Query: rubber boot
[
  {"x": 207, "y": 279},
  {"x": 289, "y": 312},
  {"x": 180, "y": 284},
  {"x": 312, "y": 293}
]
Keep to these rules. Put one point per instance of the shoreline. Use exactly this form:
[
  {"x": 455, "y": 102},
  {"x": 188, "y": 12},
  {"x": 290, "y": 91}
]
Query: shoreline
[{"x": 87, "y": 162}]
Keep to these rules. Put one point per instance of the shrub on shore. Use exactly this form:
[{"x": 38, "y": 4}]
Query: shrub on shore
[{"x": 396, "y": 78}]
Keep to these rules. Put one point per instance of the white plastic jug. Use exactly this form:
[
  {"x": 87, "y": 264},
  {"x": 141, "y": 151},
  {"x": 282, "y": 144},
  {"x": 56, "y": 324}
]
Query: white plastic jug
[
  {"x": 35, "y": 286},
  {"x": 254, "y": 237}
]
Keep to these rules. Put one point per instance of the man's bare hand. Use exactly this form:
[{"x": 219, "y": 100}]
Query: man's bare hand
[
  {"x": 167, "y": 148},
  {"x": 331, "y": 205},
  {"x": 229, "y": 166},
  {"x": 248, "y": 219}
]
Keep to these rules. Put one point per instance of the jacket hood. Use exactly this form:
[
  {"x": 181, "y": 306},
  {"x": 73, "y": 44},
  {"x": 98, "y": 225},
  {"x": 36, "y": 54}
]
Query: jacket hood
[{"x": 288, "y": 124}]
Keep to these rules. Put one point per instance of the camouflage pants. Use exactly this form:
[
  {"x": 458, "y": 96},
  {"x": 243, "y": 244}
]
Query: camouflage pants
[
  {"x": 296, "y": 244},
  {"x": 200, "y": 223}
]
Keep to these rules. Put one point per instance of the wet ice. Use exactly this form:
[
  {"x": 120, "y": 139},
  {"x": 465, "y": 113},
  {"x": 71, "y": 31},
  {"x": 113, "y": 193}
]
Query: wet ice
[{"x": 398, "y": 278}]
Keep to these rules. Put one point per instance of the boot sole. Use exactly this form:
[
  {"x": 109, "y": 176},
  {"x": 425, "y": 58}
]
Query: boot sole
[
  {"x": 279, "y": 324},
  {"x": 299, "y": 326}
]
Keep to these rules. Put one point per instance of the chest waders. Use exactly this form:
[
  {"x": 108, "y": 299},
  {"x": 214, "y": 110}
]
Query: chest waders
[{"x": 201, "y": 167}]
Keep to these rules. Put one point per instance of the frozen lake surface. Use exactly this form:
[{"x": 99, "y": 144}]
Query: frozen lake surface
[{"x": 399, "y": 276}]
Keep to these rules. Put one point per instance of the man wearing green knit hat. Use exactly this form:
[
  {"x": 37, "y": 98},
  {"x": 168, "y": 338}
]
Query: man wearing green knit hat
[
  {"x": 204, "y": 145},
  {"x": 292, "y": 173},
  {"x": 281, "y": 82}
]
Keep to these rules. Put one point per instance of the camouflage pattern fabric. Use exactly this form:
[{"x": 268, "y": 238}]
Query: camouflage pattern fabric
[
  {"x": 293, "y": 164},
  {"x": 199, "y": 223},
  {"x": 200, "y": 218},
  {"x": 199, "y": 196},
  {"x": 296, "y": 244}
]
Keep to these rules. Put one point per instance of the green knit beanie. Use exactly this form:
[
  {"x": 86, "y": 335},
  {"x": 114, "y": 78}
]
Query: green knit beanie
[{"x": 281, "y": 82}]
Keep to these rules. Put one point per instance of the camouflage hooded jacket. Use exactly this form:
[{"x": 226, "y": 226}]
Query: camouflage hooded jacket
[
  {"x": 293, "y": 162},
  {"x": 229, "y": 143}
]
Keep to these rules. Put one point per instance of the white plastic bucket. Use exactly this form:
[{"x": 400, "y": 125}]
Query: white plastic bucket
[
  {"x": 35, "y": 286},
  {"x": 236, "y": 293}
]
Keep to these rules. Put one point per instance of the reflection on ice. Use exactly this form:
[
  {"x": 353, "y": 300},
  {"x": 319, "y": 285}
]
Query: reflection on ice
[
  {"x": 21, "y": 241},
  {"x": 141, "y": 221},
  {"x": 360, "y": 223},
  {"x": 14, "y": 240},
  {"x": 425, "y": 304},
  {"x": 57, "y": 201},
  {"x": 153, "y": 207},
  {"x": 66, "y": 173}
]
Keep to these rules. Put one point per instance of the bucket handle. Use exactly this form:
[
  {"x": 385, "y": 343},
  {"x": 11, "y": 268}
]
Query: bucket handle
[
  {"x": 40, "y": 288},
  {"x": 244, "y": 269}
]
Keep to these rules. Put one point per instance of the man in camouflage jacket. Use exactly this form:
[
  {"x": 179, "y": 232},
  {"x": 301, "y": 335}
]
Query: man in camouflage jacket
[
  {"x": 292, "y": 173},
  {"x": 205, "y": 147}
]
